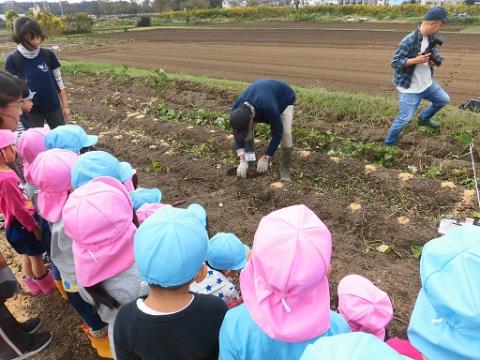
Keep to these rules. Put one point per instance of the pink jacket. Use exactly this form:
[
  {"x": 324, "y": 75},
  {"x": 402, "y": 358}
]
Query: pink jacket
[{"x": 14, "y": 204}]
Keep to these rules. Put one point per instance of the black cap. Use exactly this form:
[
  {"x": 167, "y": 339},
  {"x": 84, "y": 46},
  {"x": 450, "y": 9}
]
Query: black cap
[
  {"x": 239, "y": 120},
  {"x": 437, "y": 13}
]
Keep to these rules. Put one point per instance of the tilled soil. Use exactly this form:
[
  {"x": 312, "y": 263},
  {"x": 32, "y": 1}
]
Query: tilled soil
[
  {"x": 345, "y": 56},
  {"x": 363, "y": 207}
]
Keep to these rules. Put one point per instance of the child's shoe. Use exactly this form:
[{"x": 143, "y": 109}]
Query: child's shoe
[
  {"x": 31, "y": 285},
  {"x": 46, "y": 283}
]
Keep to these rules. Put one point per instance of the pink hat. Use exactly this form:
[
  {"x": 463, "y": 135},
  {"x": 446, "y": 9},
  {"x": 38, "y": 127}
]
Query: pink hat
[
  {"x": 365, "y": 307},
  {"x": 7, "y": 138},
  {"x": 31, "y": 143},
  {"x": 98, "y": 217},
  {"x": 50, "y": 171},
  {"x": 284, "y": 284},
  {"x": 144, "y": 211}
]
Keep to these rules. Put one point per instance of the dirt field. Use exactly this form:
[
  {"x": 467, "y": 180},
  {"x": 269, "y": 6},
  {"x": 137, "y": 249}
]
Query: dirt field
[
  {"x": 364, "y": 206},
  {"x": 353, "y": 57}
]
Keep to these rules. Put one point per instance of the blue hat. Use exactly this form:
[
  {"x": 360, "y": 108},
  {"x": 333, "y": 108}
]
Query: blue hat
[
  {"x": 445, "y": 321},
  {"x": 227, "y": 252},
  {"x": 170, "y": 247},
  {"x": 94, "y": 164},
  {"x": 69, "y": 137},
  {"x": 437, "y": 13},
  {"x": 145, "y": 196},
  {"x": 350, "y": 346},
  {"x": 199, "y": 210}
]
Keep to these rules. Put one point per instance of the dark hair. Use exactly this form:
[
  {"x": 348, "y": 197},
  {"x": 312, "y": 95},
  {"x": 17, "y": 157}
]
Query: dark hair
[
  {"x": 101, "y": 297},
  {"x": 170, "y": 288},
  {"x": 240, "y": 117},
  {"x": 11, "y": 88},
  {"x": 24, "y": 26},
  {"x": 25, "y": 92},
  {"x": 135, "y": 180},
  {"x": 87, "y": 149}
]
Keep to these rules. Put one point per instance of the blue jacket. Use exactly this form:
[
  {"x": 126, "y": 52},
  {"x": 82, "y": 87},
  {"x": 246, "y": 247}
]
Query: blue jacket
[
  {"x": 409, "y": 47},
  {"x": 270, "y": 98}
]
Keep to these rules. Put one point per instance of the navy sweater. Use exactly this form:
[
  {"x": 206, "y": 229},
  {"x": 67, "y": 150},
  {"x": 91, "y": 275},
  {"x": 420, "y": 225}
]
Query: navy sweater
[{"x": 270, "y": 98}]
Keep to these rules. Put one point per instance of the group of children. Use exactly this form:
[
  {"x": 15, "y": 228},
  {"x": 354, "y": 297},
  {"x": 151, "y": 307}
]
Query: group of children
[{"x": 149, "y": 282}]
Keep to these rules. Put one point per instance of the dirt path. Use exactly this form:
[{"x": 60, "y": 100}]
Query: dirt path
[{"x": 335, "y": 56}]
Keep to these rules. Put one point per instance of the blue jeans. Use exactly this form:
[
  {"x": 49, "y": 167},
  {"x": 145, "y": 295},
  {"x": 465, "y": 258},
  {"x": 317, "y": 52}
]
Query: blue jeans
[{"x": 408, "y": 107}]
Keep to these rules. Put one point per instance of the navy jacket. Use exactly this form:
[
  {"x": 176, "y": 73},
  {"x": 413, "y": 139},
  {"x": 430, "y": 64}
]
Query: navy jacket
[{"x": 270, "y": 98}]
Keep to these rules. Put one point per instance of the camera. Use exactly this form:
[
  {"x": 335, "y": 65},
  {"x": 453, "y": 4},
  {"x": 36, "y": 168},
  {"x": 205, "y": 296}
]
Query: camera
[{"x": 434, "y": 56}]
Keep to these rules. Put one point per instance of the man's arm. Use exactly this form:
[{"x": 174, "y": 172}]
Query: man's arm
[
  {"x": 401, "y": 60},
  {"x": 277, "y": 133}
]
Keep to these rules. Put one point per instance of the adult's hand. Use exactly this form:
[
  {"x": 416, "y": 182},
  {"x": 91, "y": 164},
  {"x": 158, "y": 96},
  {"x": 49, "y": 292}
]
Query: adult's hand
[
  {"x": 262, "y": 164},
  {"x": 242, "y": 169},
  {"x": 66, "y": 113},
  {"x": 419, "y": 59}
]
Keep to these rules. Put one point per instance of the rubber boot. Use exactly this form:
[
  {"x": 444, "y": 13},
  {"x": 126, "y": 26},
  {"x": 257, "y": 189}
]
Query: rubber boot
[
  {"x": 285, "y": 161},
  {"x": 61, "y": 289},
  {"x": 100, "y": 344},
  {"x": 46, "y": 284},
  {"x": 31, "y": 285}
]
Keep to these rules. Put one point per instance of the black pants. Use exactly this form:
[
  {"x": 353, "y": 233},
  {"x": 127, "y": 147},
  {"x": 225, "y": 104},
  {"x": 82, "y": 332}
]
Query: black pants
[
  {"x": 54, "y": 118},
  {"x": 14, "y": 341}
]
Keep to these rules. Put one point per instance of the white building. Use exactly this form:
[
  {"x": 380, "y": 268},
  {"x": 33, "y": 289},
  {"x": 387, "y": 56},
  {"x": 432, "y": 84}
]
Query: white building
[{"x": 441, "y": 2}]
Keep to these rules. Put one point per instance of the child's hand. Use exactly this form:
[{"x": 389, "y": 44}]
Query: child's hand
[{"x": 38, "y": 234}]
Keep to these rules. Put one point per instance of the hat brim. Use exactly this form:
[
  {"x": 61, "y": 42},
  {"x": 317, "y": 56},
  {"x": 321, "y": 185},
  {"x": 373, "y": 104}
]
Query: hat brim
[
  {"x": 436, "y": 338},
  {"x": 309, "y": 315},
  {"x": 50, "y": 205},
  {"x": 10, "y": 139},
  {"x": 126, "y": 171},
  {"x": 99, "y": 262},
  {"x": 90, "y": 141},
  {"x": 242, "y": 264}
]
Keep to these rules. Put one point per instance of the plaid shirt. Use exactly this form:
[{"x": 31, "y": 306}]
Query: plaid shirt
[{"x": 409, "y": 47}]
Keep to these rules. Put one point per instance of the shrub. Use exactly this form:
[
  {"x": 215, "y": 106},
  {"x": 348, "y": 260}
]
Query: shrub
[
  {"x": 144, "y": 21},
  {"x": 10, "y": 15},
  {"x": 79, "y": 23},
  {"x": 50, "y": 24}
]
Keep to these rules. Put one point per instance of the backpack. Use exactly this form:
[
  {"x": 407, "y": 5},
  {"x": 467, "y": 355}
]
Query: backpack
[{"x": 17, "y": 60}]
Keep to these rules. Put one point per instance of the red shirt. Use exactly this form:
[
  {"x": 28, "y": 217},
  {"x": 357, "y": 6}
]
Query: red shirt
[{"x": 13, "y": 202}]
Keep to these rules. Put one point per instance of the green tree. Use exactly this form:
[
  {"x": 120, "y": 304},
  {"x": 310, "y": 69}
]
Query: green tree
[{"x": 10, "y": 15}]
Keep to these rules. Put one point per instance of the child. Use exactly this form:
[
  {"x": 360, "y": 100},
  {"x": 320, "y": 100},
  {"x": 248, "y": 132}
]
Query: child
[
  {"x": 98, "y": 217},
  {"x": 99, "y": 163},
  {"x": 171, "y": 323},
  {"x": 23, "y": 230},
  {"x": 70, "y": 137},
  {"x": 365, "y": 307},
  {"x": 41, "y": 69},
  {"x": 351, "y": 346},
  {"x": 27, "y": 104},
  {"x": 51, "y": 173},
  {"x": 11, "y": 91},
  {"x": 446, "y": 317},
  {"x": 226, "y": 255},
  {"x": 285, "y": 290}
]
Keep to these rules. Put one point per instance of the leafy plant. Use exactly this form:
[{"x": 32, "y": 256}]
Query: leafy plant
[{"x": 416, "y": 251}]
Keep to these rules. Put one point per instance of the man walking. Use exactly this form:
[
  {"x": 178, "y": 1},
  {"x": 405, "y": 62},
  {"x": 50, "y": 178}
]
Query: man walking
[{"x": 413, "y": 69}]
